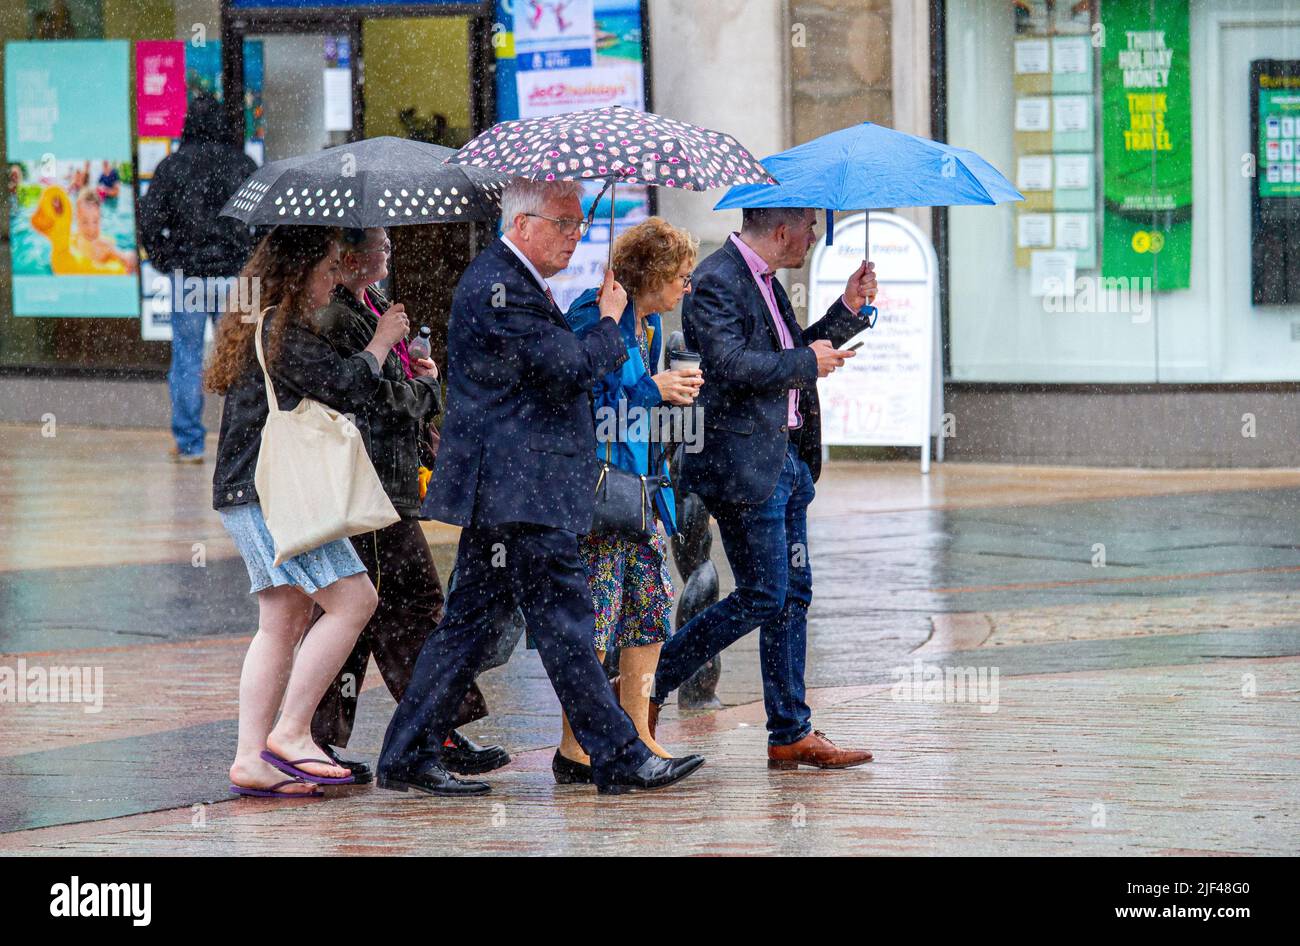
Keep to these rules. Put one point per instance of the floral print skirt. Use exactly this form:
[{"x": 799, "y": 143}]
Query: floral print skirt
[{"x": 631, "y": 589}]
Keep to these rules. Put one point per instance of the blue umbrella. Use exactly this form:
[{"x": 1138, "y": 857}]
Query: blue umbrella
[{"x": 870, "y": 166}]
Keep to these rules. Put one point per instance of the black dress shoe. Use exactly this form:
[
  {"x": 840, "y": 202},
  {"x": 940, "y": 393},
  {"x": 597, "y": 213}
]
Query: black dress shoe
[
  {"x": 432, "y": 779},
  {"x": 466, "y": 757},
  {"x": 568, "y": 772},
  {"x": 653, "y": 773},
  {"x": 360, "y": 770}
]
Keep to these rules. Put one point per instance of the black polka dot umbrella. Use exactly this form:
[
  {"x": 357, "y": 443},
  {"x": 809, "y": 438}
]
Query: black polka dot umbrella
[
  {"x": 618, "y": 145},
  {"x": 378, "y": 182}
]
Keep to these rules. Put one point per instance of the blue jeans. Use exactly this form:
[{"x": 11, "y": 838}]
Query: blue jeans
[
  {"x": 767, "y": 548},
  {"x": 185, "y": 380}
]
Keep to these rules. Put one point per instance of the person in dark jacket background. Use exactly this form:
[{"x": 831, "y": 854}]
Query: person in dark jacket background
[
  {"x": 397, "y": 557},
  {"x": 186, "y": 240}
]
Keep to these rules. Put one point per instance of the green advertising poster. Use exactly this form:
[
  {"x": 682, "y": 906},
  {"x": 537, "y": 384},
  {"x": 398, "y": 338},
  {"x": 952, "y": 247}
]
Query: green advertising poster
[
  {"x": 1279, "y": 136},
  {"x": 1147, "y": 132}
]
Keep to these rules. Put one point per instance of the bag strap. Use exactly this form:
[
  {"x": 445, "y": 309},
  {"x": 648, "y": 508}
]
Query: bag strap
[{"x": 261, "y": 360}]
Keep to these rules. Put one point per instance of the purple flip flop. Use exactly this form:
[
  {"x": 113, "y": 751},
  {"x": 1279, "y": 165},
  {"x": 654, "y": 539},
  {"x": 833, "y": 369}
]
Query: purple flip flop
[
  {"x": 274, "y": 790},
  {"x": 291, "y": 768}
]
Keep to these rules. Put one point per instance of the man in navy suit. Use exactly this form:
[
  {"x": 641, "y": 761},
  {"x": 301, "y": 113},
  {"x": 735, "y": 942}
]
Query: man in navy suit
[
  {"x": 760, "y": 458},
  {"x": 516, "y": 471}
]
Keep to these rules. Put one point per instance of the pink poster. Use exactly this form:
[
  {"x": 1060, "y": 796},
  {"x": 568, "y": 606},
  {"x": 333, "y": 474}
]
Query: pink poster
[{"x": 160, "y": 88}]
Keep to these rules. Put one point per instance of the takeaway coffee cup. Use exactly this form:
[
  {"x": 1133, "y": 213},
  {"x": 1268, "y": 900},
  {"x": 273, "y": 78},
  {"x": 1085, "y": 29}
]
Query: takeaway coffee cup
[{"x": 680, "y": 358}]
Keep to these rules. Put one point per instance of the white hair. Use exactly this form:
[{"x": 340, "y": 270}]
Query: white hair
[{"x": 523, "y": 196}]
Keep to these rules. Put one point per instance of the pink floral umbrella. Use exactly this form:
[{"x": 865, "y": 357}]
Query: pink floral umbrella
[{"x": 617, "y": 145}]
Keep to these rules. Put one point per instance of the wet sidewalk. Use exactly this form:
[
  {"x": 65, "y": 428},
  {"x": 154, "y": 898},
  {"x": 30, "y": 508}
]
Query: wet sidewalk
[{"x": 1059, "y": 661}]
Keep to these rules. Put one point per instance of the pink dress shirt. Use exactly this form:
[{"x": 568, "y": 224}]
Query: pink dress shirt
[{"x": 763, "y": 275}]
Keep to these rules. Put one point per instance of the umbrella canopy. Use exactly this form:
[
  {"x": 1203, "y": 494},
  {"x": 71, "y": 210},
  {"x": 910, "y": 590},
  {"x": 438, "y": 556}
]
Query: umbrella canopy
[
  {"x": 870, "y": 166},
  {"x": 378, "y": 182},
  {"x": 614, "y": 143}
]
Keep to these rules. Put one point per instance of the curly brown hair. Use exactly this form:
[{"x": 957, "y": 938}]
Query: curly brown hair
[
  {"x": 648, "y": 255},
  {"x": 281, "y": 265}
]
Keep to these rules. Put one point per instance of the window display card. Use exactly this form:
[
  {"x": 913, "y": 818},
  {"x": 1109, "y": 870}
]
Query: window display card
[
  {"x": 1072, "y": 113},
  {"x": 1034, "y": 173},
  {"x": 1033, "y": 114},
  {"x": 1032, "y": 56},
  {"x": 1074, "y": 171},
  {"x": 1071, "y": 55},
  {"x": 338, "y": 98},
  {"x": 1073, "y": 231},
  {"x": 1034, "y": 230},
  {"x": 150, "y": 152},
  {"x": 1051, "y": 272}
]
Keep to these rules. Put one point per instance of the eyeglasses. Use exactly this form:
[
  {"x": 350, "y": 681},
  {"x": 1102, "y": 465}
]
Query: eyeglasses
[
  {"x": 686, "y": 281},
  {"x": 565, "y": 225}
]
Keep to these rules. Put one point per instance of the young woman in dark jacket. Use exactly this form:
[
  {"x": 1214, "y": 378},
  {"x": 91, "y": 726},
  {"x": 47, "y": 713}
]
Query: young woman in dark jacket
[
  {"x": 397, "y": 558},
  {"x": 296, "y": 269}
]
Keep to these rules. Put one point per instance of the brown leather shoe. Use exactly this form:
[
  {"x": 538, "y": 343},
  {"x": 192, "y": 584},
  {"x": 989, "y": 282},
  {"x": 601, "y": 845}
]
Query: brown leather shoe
[
  {"x": 652, "y": 719},
  {"x": 816, "y": 750}
]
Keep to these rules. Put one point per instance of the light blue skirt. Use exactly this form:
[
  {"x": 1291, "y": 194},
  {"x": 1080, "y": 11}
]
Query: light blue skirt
[{"x": 310, "y": 571}]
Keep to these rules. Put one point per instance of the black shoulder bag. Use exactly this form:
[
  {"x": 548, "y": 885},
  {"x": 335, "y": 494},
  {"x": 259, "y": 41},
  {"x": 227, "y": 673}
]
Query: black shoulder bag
[{"x": 625, "y": 502}]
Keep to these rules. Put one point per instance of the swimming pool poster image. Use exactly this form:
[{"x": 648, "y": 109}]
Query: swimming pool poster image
[
  {"x": 71, "y": 179},
  {"x": 66, "y": 227}
]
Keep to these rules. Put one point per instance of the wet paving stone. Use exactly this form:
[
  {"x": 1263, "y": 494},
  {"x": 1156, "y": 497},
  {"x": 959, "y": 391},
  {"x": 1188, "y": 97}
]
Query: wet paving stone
[{"x": 1145, "y": 705}]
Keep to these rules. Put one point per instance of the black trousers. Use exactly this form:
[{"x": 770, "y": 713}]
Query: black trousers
[
  {"x": 538, "y": 569},
  {"x": 411, "y": 602}
]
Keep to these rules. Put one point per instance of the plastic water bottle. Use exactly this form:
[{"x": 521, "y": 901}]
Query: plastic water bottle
[{"x": 420, "y": 347}]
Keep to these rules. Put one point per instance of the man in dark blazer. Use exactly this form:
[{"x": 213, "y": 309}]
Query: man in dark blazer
[
  {"x": 761, "y": 455},
  {"x": 516, "y": 470}
]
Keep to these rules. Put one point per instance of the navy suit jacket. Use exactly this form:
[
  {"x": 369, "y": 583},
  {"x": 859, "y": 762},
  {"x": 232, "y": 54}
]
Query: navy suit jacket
[
  {"x": 518, "y": 442},
  {"x": 747, "y": 377}
]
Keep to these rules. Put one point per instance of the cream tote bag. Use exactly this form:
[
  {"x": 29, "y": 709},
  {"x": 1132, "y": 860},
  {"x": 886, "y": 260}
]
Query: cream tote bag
[{"x": 313, "y": 477}]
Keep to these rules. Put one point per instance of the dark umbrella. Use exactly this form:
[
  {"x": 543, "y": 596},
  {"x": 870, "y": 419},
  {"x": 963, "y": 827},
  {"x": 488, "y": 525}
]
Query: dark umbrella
[
  {"x": 378, "y": 182},
  {"x": 614, "y": 144}
]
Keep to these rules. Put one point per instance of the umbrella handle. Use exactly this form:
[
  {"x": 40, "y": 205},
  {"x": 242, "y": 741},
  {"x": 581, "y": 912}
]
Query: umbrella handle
[
  {"x": 868, "y": 312},
  {"x": 613, "y": 188}
]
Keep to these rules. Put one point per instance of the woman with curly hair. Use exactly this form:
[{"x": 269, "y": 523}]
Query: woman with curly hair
[
  {"x": 295, "y": 270},
  {"x": 631, "y": 588}
]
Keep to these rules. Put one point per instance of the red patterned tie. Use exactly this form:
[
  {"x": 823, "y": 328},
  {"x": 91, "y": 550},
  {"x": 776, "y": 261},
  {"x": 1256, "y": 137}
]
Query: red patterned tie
[{"x": 547, "y": 290}]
